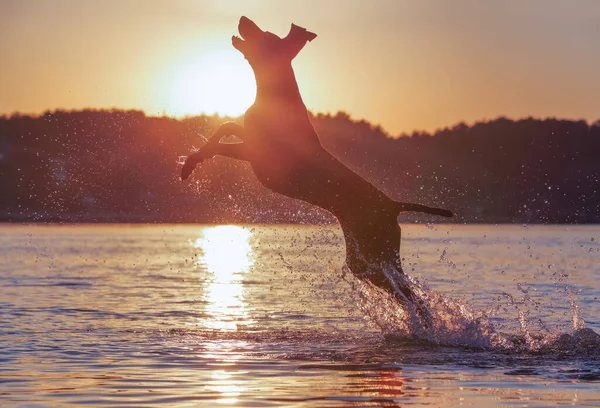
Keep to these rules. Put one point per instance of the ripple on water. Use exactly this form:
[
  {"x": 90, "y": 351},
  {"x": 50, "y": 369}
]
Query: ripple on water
[{"x": 137, "y": 326}]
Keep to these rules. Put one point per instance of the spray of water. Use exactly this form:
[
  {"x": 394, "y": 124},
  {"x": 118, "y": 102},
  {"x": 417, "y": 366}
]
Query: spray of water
[{"x": 437, "y": 319}]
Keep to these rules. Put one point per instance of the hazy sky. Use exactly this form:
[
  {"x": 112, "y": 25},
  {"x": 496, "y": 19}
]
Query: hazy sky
[{"x": 403, "y": 64}]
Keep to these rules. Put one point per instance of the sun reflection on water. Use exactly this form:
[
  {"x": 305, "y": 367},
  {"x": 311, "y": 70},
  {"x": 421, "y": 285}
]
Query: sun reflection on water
[
  {"x": 227, "y": 387},
  {"x": 226, "y": 253}
]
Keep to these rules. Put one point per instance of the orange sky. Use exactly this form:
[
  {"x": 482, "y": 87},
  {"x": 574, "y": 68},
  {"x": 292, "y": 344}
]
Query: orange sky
[{"x": 403, "y": 64}]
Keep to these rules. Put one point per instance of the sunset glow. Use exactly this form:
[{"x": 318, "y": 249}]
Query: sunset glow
[
  {"x": 219, "y": 82},
  {"x": 402, "y": 64}
]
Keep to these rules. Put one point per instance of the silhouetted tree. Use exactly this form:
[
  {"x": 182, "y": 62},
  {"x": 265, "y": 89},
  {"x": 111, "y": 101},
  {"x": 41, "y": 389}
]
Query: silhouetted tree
[{"x": 114, "y": 165}]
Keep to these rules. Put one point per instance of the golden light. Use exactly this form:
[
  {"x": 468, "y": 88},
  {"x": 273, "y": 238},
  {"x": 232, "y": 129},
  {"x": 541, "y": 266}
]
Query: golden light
[
  {"x": 219, "y": 82},
  {"x": 223, "y": 383},
  {"x": 227, "y": 255}
]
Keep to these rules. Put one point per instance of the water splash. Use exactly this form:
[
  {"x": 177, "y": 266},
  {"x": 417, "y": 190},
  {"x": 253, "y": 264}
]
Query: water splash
[{"x": 450, "y": 322}]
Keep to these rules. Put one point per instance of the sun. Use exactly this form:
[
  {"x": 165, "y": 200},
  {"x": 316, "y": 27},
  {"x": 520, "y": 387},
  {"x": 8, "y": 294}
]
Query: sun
[{"x": 218, "y": 82}]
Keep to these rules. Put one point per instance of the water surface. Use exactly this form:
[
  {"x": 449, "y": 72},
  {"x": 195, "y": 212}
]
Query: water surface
[{"x": 264, "y": 316}]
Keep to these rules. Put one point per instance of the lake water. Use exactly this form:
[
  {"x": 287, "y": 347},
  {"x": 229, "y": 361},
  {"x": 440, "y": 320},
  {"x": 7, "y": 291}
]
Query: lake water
[{"x": 265, "y": 316}]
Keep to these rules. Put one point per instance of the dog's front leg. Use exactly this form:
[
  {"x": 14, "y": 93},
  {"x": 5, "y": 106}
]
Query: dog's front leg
[
  {"x": 233, "y": 150},
  {"x": 213, "y": 147},
  {"x": 226, "y": 129}
]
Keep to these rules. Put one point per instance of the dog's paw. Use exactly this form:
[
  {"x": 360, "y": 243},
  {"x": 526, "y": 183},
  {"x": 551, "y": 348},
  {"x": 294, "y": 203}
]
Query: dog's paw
[{"x": 188, "y": 168}]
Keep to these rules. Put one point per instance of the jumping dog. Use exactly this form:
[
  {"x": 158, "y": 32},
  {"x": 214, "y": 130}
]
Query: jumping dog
[{"x": 287, "y": 157}]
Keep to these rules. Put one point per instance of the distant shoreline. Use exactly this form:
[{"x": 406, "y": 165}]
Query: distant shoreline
[
  {"x": 121, "y": 166},
  {"x": 58, "y": 221}
]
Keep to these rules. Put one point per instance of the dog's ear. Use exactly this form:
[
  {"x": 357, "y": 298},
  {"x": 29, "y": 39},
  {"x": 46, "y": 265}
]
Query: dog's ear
[
  {"x": 297, "y": 39},
  {"x": 239, "y": 44},
  {"x": 300, "y": 33}
]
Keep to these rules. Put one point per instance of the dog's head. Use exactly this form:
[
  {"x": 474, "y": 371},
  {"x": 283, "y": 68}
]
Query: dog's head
[{"x": 262, "y": 47}]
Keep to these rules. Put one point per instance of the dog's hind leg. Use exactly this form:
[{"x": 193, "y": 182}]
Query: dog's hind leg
[{"x": 373, "y": 254}]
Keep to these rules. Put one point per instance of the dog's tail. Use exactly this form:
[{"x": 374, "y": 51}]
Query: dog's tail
[{"x": 424, "y": 209}]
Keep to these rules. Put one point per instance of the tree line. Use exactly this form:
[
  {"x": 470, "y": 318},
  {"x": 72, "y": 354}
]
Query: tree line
[{"x": 121, "y": 166}]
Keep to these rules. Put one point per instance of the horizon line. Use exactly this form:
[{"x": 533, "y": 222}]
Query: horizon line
[{"x": 380, "y": 127}]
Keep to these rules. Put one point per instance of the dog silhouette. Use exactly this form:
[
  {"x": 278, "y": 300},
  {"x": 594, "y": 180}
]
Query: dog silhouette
[{"x": 287, "y": 157}]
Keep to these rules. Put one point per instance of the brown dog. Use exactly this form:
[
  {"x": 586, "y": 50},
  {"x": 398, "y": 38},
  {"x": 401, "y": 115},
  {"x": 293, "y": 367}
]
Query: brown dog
[{"x": 287, "y": 157}]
